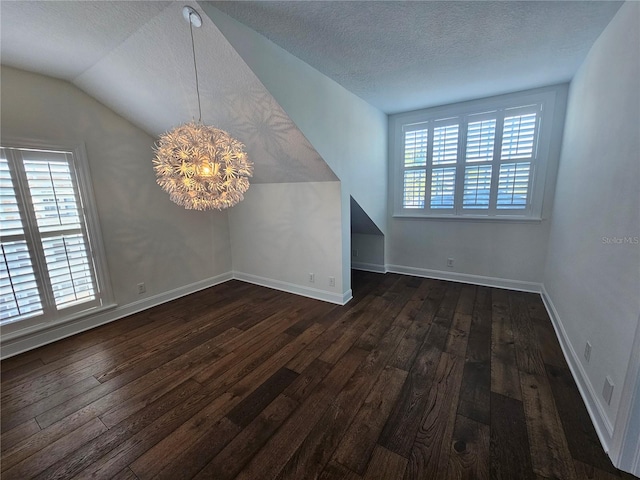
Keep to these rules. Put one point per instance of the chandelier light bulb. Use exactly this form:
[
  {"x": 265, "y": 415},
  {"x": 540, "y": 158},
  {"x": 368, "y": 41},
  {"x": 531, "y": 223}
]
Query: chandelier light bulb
[{"x": 202, "y": 167}]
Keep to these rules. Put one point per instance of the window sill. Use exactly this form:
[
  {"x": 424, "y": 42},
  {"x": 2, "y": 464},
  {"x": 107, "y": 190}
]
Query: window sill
[
  {"x": 43, "y": 324},
  {"x": 469, "y": 218}
]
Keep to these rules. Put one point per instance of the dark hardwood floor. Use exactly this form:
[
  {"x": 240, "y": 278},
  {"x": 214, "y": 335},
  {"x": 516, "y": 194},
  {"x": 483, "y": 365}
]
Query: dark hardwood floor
[{"x": 413, "y": 379}]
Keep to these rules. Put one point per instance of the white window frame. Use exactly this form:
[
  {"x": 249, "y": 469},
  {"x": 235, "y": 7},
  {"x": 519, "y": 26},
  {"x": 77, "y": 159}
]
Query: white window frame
[
  {"x": 77, "y": 158},
  {"x": 542, "y": 99}
]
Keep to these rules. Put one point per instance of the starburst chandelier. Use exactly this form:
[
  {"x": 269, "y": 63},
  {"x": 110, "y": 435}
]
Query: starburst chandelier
[{"x": 199, "y": 166}]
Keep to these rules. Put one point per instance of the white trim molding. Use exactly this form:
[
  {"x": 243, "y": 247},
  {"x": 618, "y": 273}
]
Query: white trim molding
[
  {"x": 625, "y": 449},
  {"x": 34, "y": 337},
  {"x": 29, "y": 339},
  {"x": 368, "y": 267},
  {"x": 337, "y": 298},
  {"x": 601, "y": 422},
  {"x": 467, "y": 278}
]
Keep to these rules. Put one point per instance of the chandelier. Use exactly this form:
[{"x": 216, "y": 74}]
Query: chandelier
[{"x": 199, "y": 166}]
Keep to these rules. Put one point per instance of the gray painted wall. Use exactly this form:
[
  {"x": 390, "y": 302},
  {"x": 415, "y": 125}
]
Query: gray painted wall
[
  {"x": 367, "y": 252},
  {"x": 146, "y": 237},
  {"x": 592, "y": 277},
  {"x": 349, "y": 134},
  {"x": 495, "y": 252},
  {"x": 282, "y": 232}
]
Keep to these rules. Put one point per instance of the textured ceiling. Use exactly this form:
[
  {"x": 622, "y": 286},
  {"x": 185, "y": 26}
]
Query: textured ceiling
[
  {"x": 135, "y": 57},
  {"x": 401, "y": 56},
  {"x": 63, "y": 39}
]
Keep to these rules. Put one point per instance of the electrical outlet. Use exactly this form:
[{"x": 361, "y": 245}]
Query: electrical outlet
[
  {"x": 449, "y": 262},
  {"x": 354, "y": 252},
  {"x": 332, "y": 281},
  {"x": 312, "y": 278},
  {"x": 587, "y": 352},
  {"x": 141, "y": 288},
  {"x": 607, "y": 390}
]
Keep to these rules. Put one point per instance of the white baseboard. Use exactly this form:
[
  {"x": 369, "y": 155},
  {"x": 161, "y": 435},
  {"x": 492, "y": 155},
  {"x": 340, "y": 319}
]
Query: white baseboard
[
  {"x": 337, "y": 298},
  {"x": 31, "y": 339},
  {"x": 19, "y": 342},
  {"x": 368, "y": 267},
  {"x": 602, "y": 424},
  {"x": 347, "y": 296},
  {"x": 467, "y": 278}
]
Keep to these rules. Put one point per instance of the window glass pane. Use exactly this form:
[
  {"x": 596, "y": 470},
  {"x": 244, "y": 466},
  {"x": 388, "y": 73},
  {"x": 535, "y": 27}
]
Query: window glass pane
[
  {"x": 53, "y": 195},
  {"x": 9, "y": 214},
  {"x": 477, "y": 187},
  {"x": 513, "y": 185},
  {"x": 415, "y": 148},
  {"x": 443, "y": 182},
  {"x": 414, "y": 188},
  {"x": 480, "y": 139},
  {"x": 69, "y": 269},
  {"x": 445, "y": 144},
  {"x": 517, "y": 136},
  {"x": 19, "y": 296}
]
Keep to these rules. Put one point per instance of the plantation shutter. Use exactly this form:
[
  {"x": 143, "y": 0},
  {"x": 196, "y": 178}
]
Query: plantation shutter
[
  {"x": 516, "y": 157},
  {"x": 47, "y": 265},
  {"x": 443, "y": 165},
  {"x": 479, "y": 164},
  {"x": 481, "y": 135},
  {"x": 416, "y": 143},
  {"x": 19, "y": 295}
]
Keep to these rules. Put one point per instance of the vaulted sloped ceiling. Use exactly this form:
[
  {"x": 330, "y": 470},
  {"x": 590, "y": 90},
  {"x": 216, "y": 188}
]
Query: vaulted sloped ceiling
[
  {"x": 136, "y": 58},
  {"x": 405, "y": 55}
]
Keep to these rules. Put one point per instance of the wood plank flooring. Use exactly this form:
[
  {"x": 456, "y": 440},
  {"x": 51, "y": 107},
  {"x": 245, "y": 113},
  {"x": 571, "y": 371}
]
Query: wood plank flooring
[{"x": 413, "y": 379}]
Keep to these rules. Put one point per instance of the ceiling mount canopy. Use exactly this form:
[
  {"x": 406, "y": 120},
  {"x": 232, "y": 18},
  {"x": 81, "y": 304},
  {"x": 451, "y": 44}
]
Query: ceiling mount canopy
[
  {"x": 201, "y": 167},
  {"x": 191, "y": 16}
]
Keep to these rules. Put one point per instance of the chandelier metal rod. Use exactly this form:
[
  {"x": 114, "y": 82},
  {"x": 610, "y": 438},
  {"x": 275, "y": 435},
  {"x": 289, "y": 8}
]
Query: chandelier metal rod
[{"x": 195, "y": 66}]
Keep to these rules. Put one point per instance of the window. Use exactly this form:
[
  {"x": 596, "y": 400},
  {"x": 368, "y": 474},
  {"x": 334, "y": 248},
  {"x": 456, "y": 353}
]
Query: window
[
  {"x": 50, "y": 265},
  {"x": 484, "y": 159}
]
